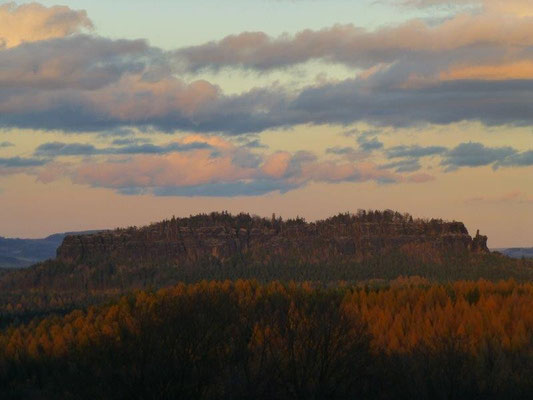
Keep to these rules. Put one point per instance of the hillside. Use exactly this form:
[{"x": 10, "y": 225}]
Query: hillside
[{"x": 368, "y": 247}]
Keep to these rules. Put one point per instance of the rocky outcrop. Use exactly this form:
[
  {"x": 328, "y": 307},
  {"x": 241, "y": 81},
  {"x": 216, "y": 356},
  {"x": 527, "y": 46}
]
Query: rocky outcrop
[
  {"x": 479, "y": 243},
  {"x": 221, "y": 236}
]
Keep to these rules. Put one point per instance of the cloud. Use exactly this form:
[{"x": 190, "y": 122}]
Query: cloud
[
  {"x": 171, "y": 170},
  {"x": 475, "y": 155},
  {"x": 20, "y": 162},
  {"x": 369, "y": 143},
  {"x": 514, "y": 7},
  {"x": 232, "y": 189},
  {"x": 463, "y": 155},
  {"x": 408, "y": 165},
  {"x": 349, "y": 153},
  {"x": 171, "y": 104},
  {"x": 340, "y": 150},
  {"x": 414, "y": 151},
  {"x": 56, "y": 149},
  {"x": 199, "y": 106},
  {"x": 493, "y": 103},
  {"x": 277, "y": 165},
  {"x": 78, "y": 62},
  {"x": 252, "y": 143},
  {"x": 223, "y": 169},
  {"x": 167, "y": 104},
  {"x": 130, "y": 140},
  {"x": 6, "y": 144},
  {"x": 51, "y": 171},
  {"x": 420, "y": 178},
  {"x": 32, "y": 22},
  {"x": 524, "y": 159},
  {"x": 466, "y": 37},
  {"x": 83, "y": 83}
]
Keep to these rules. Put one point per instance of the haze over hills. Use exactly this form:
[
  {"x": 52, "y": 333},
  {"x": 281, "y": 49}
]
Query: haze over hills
[
  {"x": 517, "y": 252},
  {"x": 18, "y": 253}
]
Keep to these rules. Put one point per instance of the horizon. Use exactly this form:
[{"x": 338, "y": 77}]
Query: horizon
[{"x": 124, "y": 114}]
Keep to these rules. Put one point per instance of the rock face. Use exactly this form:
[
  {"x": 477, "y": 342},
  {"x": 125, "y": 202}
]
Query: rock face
[
  {"x": 220, "y": 236},
  {"x": 479, "y": 243}
]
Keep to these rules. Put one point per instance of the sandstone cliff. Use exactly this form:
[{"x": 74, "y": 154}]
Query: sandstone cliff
[{"x": 220, "y": 236}]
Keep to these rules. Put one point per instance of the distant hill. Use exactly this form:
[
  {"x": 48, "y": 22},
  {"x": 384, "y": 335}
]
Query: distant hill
[
  {"x": 19, "y": 253},
  {"x": 518, "y": 252},
  {"x": 221, "y": 236},
  {"x": 368, "y": 245}
]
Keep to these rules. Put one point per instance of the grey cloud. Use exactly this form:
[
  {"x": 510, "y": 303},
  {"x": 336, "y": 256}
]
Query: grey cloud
[
  {"x": 443, "y": 103},
  {"x": 228, "y": 189},
  {"x": 6, "y": 144},
  {"x": 155, "y": 149},
  {"x": 76, "y": 62},
  {"x": 408, "y": 165},
  {"x": 87, "y": 83},
  {"x": 340, "y": 150},
  {"x": 21, "y": 162},
  {"x": 524, "y": 159},
  {"x": 244, "y": 159},
  {"x": 56, "y": 149},
  {"x": 130, "y": 141},
  {"x": 354, "y": 46},
  {"x": 463, "y": 155},
  {"x": 342, "y": 103},
  {"x": 357, "y": 132},
  {"x": 53, "y": 149},
  {"x": 475, "y": 155},
  {"x": 414, "y": 151},
  {"x": 254, "y": 144},
  {"x": 368, "y": 143}
]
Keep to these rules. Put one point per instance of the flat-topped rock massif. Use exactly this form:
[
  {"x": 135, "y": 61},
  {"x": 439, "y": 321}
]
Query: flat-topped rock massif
[{"x": 221, "y": 236}]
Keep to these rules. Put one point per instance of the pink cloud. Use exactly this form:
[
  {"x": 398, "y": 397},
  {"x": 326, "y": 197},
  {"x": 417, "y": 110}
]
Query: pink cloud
[
  {"x": 222, "y": 163},
  {"x": 32, "y": 22},
  {"x": 135, "y": 98},
  {"x": 420, "y": 178},
  {"x": 514, "y": 7},
  {"x": 53, "y": 171},
  {"x": 176, "y": 169},
  {"x": 276, "y": 165}
]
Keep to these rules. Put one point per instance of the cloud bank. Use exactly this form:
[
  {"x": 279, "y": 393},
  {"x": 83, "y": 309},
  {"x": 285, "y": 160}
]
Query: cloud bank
[{"x": 474, "y": 66}]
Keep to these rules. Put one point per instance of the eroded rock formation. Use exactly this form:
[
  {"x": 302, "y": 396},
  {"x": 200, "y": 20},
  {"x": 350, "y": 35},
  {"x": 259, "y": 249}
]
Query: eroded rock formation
[{"x": 220, "y": 236}]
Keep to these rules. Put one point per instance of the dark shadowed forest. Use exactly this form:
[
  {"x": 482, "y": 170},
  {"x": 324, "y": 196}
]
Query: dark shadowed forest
[{"x": 246, "y": 340}]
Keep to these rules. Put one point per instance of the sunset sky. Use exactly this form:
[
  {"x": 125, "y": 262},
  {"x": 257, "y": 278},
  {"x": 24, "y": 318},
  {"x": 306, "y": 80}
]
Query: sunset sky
[{"x": 119, "y": 113}]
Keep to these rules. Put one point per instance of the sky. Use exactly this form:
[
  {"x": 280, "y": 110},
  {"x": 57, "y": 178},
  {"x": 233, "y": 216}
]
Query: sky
[{"x": 123, "y": 113}]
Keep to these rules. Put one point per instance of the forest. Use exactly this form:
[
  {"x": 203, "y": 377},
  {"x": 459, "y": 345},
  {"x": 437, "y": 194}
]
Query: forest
[{"x": 248, "y": 340}]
